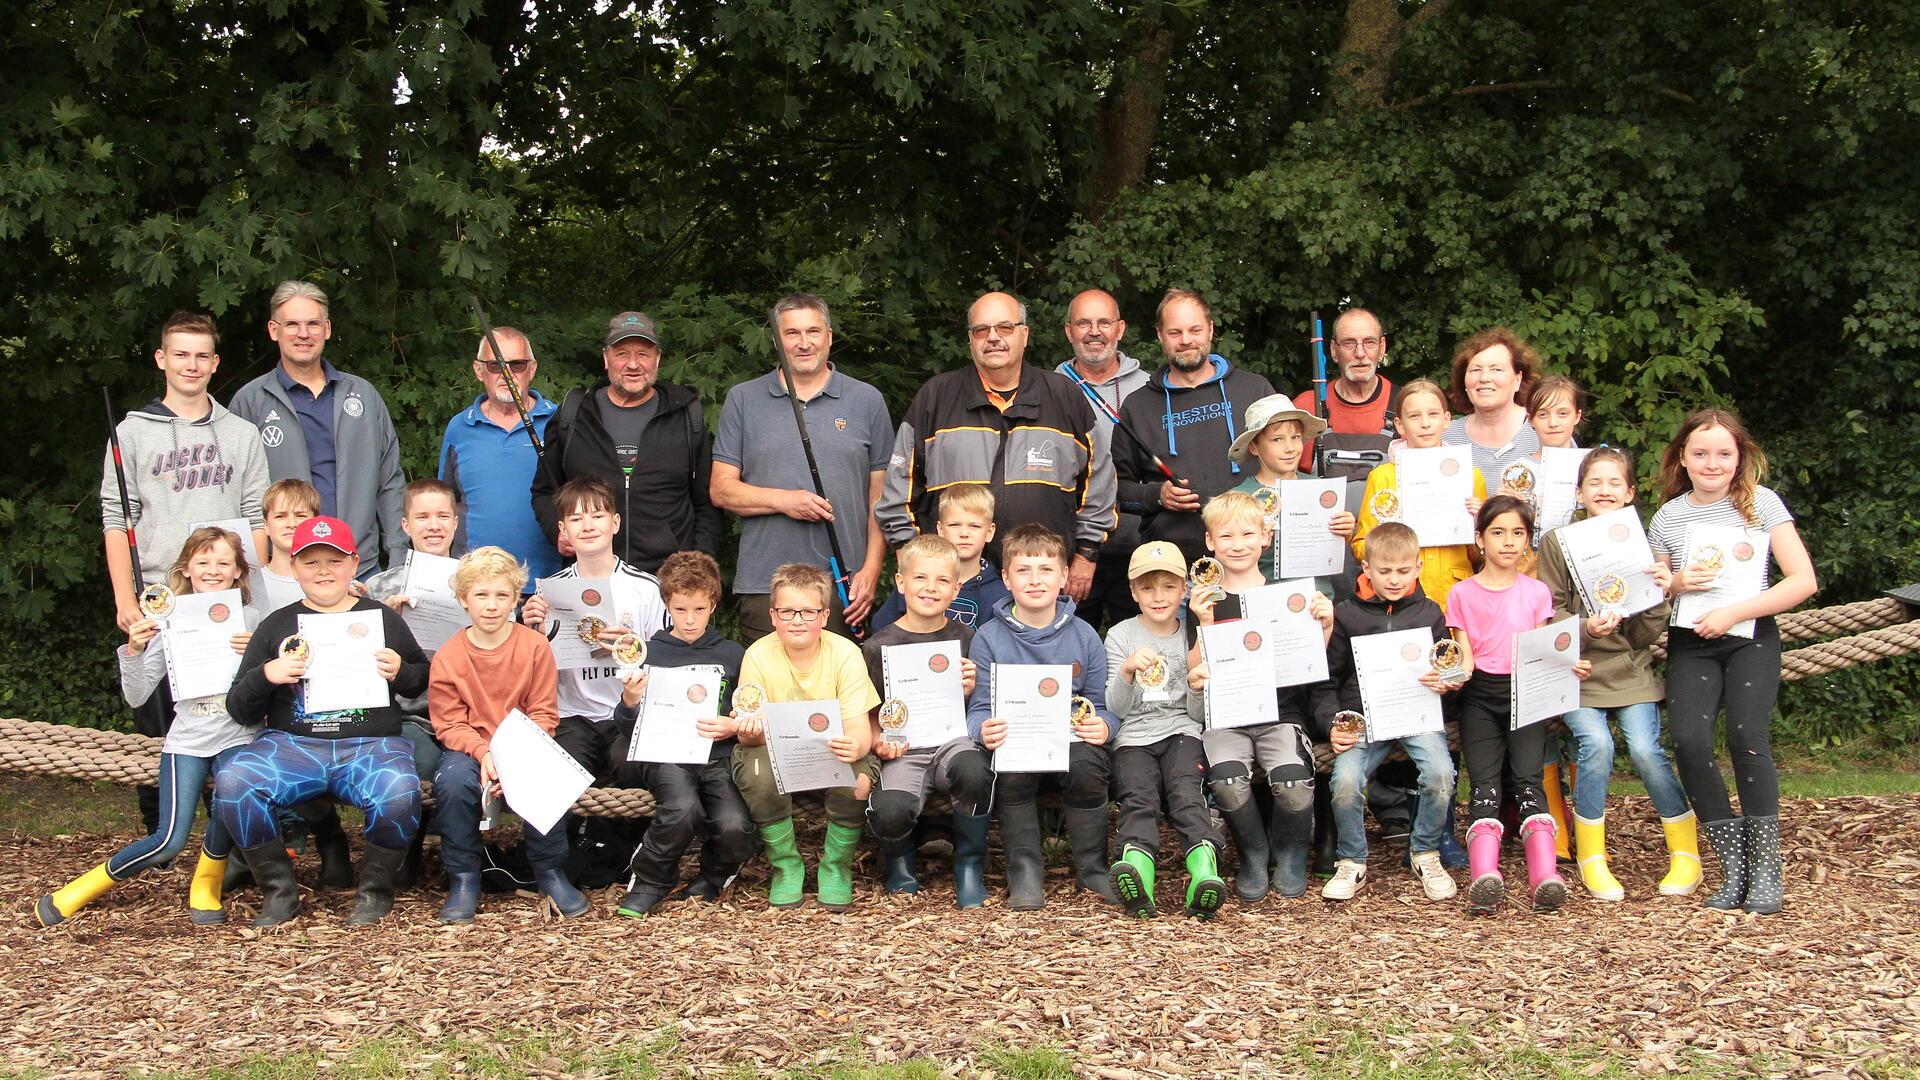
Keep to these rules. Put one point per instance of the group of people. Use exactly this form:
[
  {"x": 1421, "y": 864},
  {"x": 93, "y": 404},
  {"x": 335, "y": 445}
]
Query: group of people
[{"x": 1025, "y": 510}]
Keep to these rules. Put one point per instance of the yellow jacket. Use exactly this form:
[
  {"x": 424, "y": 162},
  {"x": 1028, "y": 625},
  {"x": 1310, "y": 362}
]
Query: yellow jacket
[{"x": 1440, "y": 567}]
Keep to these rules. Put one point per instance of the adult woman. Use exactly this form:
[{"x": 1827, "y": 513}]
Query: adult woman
[{"x": 1491, "y": 373}]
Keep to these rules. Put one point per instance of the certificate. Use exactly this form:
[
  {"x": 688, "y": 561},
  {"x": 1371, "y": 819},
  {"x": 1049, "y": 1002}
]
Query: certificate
[
  {"x": 435, "y": 614},
  {"x": 1543, "y": 684},
  {"x": 925, "y": 676},
  {"x": 1397, "y": 703},
  {"x": 797, "y": 736},
  {"x": 570, "y": 602},
  {"x": 1240, "y": 686},
  {"x": 1740, "y": 555},
  {"x": 1608, "y": 558},
  {"x": 541, "y": 782},
  {"x": 1305, "y": 546},
  {"x": 1434, "y": 486},
  {"x": 1299, "y": 643},
  {"x": 1035, "y": 701},
  {"x": 677, "y": 699},
  {"x": 199, "y": 642},
  {"x": 340, "y": 673},
  {"x": 1556, "y": 481}
]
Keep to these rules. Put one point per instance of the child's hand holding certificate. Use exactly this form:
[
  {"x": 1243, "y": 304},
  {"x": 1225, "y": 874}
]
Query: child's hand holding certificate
[
  {"x": 1034, "y": 701},
  {"x": 677, "y": 699},
  {"x": 342, "y": 669}
]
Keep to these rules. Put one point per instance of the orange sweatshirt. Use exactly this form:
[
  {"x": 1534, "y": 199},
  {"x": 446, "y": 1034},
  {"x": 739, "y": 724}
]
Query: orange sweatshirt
[{"x": 471, "y": 689}]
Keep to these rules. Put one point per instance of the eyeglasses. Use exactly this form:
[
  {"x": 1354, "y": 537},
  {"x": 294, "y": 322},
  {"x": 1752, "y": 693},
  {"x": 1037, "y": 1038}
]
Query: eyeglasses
[
  {"x": 515, "y": 366},
  {"x": 1354, "y": 345},
  {"x": 983, "y": 330},
  {"x": 1081, "y": 326},
  {"x": 312, "y": 326},
  {"x": 798, "y": 614}
]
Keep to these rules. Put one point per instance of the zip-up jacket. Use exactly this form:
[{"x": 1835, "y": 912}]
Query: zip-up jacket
[
  {"x": 1127, "y": 378},
  {"x": 1623, "y": 672},
  {"x": 180, "y": 471},
  {"x": 1004, "y": 639},
  {"x": 1367, "y": 614},
  {"x": 1191, "y": 428}
]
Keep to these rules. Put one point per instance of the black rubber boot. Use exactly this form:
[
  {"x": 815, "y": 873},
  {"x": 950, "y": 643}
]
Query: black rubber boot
[
  {"x": 1087, "y": 832},
  {"x": 463, "y": 898},
  {"x": 410, "y": 874},
  {"x": 1325, "y": 837},
  {"x": 1290, "y": 838},
  {"x": 273, "y": 872},
  {"x": 902, "y": 861},
  {"x": 1249, "y": 831},
  {"x": 378, "y": 865},
  {"x": 1026, "y": 867},
  {"x": 969, "y": 859},
  {"x": 336, "y": 857},
  {"x": 1765, "y": 891},
  {"x": 1728, "y": 839}
]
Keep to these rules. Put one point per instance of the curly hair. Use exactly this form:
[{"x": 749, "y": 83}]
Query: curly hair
[{"x": 1526, "y": 363}]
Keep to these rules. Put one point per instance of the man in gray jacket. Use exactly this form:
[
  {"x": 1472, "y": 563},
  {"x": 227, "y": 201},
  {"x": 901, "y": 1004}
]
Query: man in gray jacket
[
  {"x": 329, "y": 428},
  {"x": 1106, "y": 375}
]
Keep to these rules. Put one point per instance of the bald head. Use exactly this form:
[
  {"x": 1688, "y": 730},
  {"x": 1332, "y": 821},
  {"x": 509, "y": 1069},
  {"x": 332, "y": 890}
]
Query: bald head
[
  {"x": 997, "y": 337},
  {"x": 1095, "y": 330}
]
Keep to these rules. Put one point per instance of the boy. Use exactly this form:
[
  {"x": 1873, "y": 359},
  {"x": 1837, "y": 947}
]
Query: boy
[
  {"x": 357, "y": 755},
  {"x": 694, "y": 800},
  {"x": 1159, "y": 749},
  {"x": 966, "y": 521},
  {"x": 285, "y": 505},
  {"x": 929, "y": 580},
  {"x": 1389, "y": 599},
  {"x": 479, "y": 676},
  {"x": 1275, "y": 441},
  {"x": 1272, "y": 854},
  {"x": 1035, "y": 626},
  {"x": 801, "y": 661}
]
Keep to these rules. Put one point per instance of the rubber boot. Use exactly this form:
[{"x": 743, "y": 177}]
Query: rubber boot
[
  {"x": 1205, "y": 891},
  {"x": 553, "y": 884},
  {"x": 1452, "y": 855},
  {"x": 1544, "y": 883},
  {"x": 1326, "y": 855},
  {"x": 788, "y": 885},
  {"x": 1250, "y": 882},
  {"x": 1557, "y": 807},
  {"x": 969, "y": 859},
  {"x": 1087, "y": 833},
  {"x": 1290, "y": 838},
  {"x": 374, "y": 898},
  {"x": 834, "y": 875},
  {"x": 463, "y": 898},
  {"x": 1483, "y": 867},
  {"x": 61, "y": 904},
  {"x": 203, "y": 892},
  {"x": 1729, "y": 846},
  {"x": 1590, "y": 838},
  {"x": 273, "y": 871},
  {"x": 411, "y": 870},
  {"x": 336, "y": 857},
  {"x": 902, "y": 859},
  {"x": 239, "y": 876},
  {"x": 1133, "y": 882},
  {"x": 1683, "y": 856},
  {"x": 1026, "y": 869},
  {"x": 1765, "y": 889}
]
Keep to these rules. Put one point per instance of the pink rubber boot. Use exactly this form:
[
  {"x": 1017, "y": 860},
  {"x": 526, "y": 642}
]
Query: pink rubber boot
[
  {"x": 1483, "y": 866},
  {"x": 1543, "y": 877}
]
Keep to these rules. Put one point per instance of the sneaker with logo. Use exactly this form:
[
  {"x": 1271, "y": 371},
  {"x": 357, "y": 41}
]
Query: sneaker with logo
[
  {"x": 1434, "y": 878},
  {"x": 1348, "y": 876}
]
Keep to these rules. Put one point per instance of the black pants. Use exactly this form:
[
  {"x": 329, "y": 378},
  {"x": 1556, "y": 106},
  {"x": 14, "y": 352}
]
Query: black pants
[
  {"x": 1110, "y": 599},
  {"x": 152, "y": 718},
  {"x": 694, "y": 800},
  {"x": 1083, "y": 785},
  {"x": 1176, "y": 765},
  {"x": 1744, "y": 676},
  {"x": 601, "y": 749},
  {"x": 1490, "y": 749}
]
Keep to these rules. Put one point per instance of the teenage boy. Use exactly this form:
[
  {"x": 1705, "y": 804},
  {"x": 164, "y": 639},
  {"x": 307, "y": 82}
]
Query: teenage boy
[
  {"x": 1389, "y": 599},
  {"x": 356, "y": 755},
  {"x": 929, "y": 580},
  {"x": 479, "y": 676},
  {"x": 694, "y": 800},
  {"x": 1036, "y": 626},
  {"x": 285, "y": 505},
  {"x": 801, "y": 661},
  {"x": 1159, "y": 751},
  {"x": 966, "y": 522},
  {"x": 1274, "y": 446}
]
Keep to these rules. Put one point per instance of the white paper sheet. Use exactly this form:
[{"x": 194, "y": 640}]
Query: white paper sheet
[
  {"x": 1389, "y": 667},
  {"x": 1557, "y": 479},
  {"x": 1434, "y": 486},
  {"x": 1305, "y": 547},
  {"x": 677, "y": 699},
  {"x": 541, "y": 781},
  {"x": 341, "y": 674},
  {"x": 1543, "y": 684},
  {"x": 1036, "y": 702},
  {"x": 1742, "y": 556},
  {"x": 1608, "y": 558},
  {"x": 1299, "y": 643},
  {"x": 926, "y": 676},
  {"x": 568, "y": 601},
  {"x": 797, "y": 736},
  {"x": 1240, "y": 688},
  {"x": 435, "y": 614},
  {"x": 199, "y": 643}
]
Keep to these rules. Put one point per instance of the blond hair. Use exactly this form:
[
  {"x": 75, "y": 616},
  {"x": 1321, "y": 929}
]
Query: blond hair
[
  {"x": 804, "y": 576},
  {"x": 486, "y": 564},
  {"x": 200, "y": 540},
  {"x": 297, "y": 492},
  {"x": 928, "y": 546},
  {"x": 975, "y": 499},
  {"x": 1232, "y": 508},
  {"x": 1392, "y": 540},
  {"x": 1033, "y": 542}
]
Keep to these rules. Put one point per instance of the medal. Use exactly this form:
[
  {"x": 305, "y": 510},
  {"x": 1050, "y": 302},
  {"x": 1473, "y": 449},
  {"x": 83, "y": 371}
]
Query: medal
[
  {"x": 1269, "y": 502},
  {"x": 156, "y": 601},
  {"x": 295, "y": 647},
  {"x": 1152, "y": 679},
  {"x": 1204, "y": 578},
  {"x": 1081, "y": 711},
  {"x": 1517, "y": 479},
  {"x": 1346, "y": 720},
  {"x": 1385, "y": 505},
  {"x": 1610, "y": 592},
  {"x": 1710, "y": 558},
  {"x": 747, "y": 699},
  {"x": 1448, "y": 660},
  {"x": 588, "y": 629},
  {"x": 893, "y": 719},
  {"x": 630, "y": 652}
]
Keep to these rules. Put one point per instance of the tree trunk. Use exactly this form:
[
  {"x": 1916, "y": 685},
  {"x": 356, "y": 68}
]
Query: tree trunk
[
  {"x": 1127, "y": 119},
  {"x": 1369, "y": 42}
]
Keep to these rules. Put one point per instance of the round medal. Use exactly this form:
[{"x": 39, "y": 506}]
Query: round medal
[
  {"x": 1081, "y": 711},
  {"x": 295, "y": 647},
  {"x": 747, "y": 699},
  {"x": 893, "y": 714},
  {"x": 1385, "y": 505},
  {"x": 1347, "y": 720},
  {"x": 588, "y": 629},
  {"x": 630, "y": 650},
  {"x": 156, "y": 601}
]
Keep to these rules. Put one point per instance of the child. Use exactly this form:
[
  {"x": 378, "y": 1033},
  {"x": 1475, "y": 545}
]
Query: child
[
  {"x": 285, "y": 505},
  {"x": 1422, "y": 421},
  {"x": 1158, "y": 750},
  {"x": 694, "y": 800},
  {"x": 1622, "y": 688},
  {"x": 1035, "y": 626},
  {"x": 801, "y": 661},
  {"x": 357, "y": 755},
  {"x": 1485, "y": 612},
  {"x": 479, "y": 676},
  {"x": 1272, "y": 853},
  {"x": 1277, "y": 437},
  {"x": 202, "y": 738},
  {"x": 1712, "y": 472},
  {"x": 1389, "y": 599},
  {"x": 966, "y": 521},
  {"x": 929, "y": 580}
]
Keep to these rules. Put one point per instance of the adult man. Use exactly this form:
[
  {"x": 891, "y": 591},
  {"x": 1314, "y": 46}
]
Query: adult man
[
  {"x": 661, "y": 494},
  {"x": 760, "y": 471},
  {"x": 329, "y": 428},
  {"x": 1106, "y": 375},
  {"x": 1025, "y": 433},
  {"x": 1359, "y": 410},
  {"x": 1191, "y": 410},
  {"x": 488, "y": 457}
]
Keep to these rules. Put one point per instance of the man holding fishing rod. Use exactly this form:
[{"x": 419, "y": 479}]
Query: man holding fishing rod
[{"x": 1106, "y": 375}]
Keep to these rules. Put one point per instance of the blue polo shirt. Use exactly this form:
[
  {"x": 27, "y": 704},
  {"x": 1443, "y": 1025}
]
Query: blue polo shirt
[
  {"x": 491, "y": 469},
  {"x": 316, "y": 423}
]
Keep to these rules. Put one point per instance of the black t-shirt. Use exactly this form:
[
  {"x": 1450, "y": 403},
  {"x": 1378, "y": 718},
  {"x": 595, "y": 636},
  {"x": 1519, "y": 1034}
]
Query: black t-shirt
[
  {"x": 894, "y": 634},
  {"x": 626, "y": 424}
]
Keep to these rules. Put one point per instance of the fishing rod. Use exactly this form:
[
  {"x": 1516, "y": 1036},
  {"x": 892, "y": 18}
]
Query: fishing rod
[
  {"x": 1318, "y": 342},
  {"x": 1120, "y": 422},
  {"x": 836, "y": 562},
  {"x": 126, "y": 504},
  {"x": 506, "y": 374}
]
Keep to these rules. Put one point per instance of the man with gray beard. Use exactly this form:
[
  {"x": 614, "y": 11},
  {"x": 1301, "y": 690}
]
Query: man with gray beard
[{"x": 1106, "y": 375}]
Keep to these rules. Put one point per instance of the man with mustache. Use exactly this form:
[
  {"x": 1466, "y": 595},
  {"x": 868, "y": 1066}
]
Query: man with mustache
[
  {"x": 1359, "y": 412},
  {"x": 1106, "y": 375}
]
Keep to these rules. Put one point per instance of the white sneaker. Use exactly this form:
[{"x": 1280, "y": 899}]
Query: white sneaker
[
  {"x": 1348, "y": 876},
  {"x": 1433, "y": 877}
]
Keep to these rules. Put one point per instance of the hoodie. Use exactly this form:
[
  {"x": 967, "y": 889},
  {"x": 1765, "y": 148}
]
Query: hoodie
[
  {"x": 181, "y": 471},
  {"x": 1004, "y": 639},
  {"x": 976, "y": 598},
  {"x": 711, "y": 648},
  {"x": 1191, "y": 429},
  {"x": 1367, "y": 614},
  {"x": 1111, "y": 393}
]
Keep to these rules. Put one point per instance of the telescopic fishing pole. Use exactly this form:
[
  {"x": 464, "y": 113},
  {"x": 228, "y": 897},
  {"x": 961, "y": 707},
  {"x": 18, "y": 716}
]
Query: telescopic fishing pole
[
  {"x": 837, "y": 563},
  {"x": 1319, "y": 345},
  {"x": 126, "y": 504},
  {"x": 1120, "y": 421},
  {"x": 506, "y": 373}
]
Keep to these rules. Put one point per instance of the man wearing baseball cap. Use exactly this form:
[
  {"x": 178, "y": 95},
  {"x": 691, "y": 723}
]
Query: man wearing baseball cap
[
  {"x": 661, "y": 493},
  {"x": 358, "y": 755}
]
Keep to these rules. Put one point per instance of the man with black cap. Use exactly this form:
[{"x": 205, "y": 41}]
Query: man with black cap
[{"x": 661, "y": 494}]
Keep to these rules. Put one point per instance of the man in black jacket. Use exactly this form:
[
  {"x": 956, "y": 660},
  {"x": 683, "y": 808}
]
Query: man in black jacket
[{"x": 646, "y": 440}]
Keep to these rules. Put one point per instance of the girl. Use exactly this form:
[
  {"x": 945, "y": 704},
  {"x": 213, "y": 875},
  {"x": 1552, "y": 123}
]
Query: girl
[
  {"x": 1421, "y": 418},
  {"x": 201, "y": 739},
  {"x": 1712, "y": 472},
  {"x": 1624, "y": 689},
  {"x": 1485, "y": 612}
]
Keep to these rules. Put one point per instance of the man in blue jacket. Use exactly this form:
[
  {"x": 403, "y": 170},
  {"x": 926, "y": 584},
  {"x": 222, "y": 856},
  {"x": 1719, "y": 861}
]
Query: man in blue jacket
[{"x": 489, "y": 459}]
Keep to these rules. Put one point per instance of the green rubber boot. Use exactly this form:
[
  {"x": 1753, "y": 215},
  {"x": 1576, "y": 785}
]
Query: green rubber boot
[
  {"x": 1133, "y": 882},
  {"x": 789, "y": 883},
  {"x": 1205, "y": 891},
  {"x": 835, "y": 872}
]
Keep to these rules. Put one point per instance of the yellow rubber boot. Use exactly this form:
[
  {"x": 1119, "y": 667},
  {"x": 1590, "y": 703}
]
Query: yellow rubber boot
[
  {"x": 57, "y": 907},
  {"x": 1591, "y": 839},
  {"x": 1557, "y": 806},
  {"x": 1683, "y": 853},
  {"x": 203, "y": 895}
]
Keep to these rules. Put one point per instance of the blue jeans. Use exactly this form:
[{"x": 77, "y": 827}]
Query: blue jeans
[
  {"x": 456, "y": 815},
  {"x": 1593, "y": 743},
  {"x": 279, "y": 769},
  {"x": 182, "y": 777},
  {"x": 1351, "y": 771}
]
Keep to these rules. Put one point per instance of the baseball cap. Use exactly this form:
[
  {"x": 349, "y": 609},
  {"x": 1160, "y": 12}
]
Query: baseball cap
[
  {"x": 1265, "y": 413},
  {"x": 325, "y": 532},
  {"x": 1156, "y": 555},
  {"x": 631, "y": 324}
]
